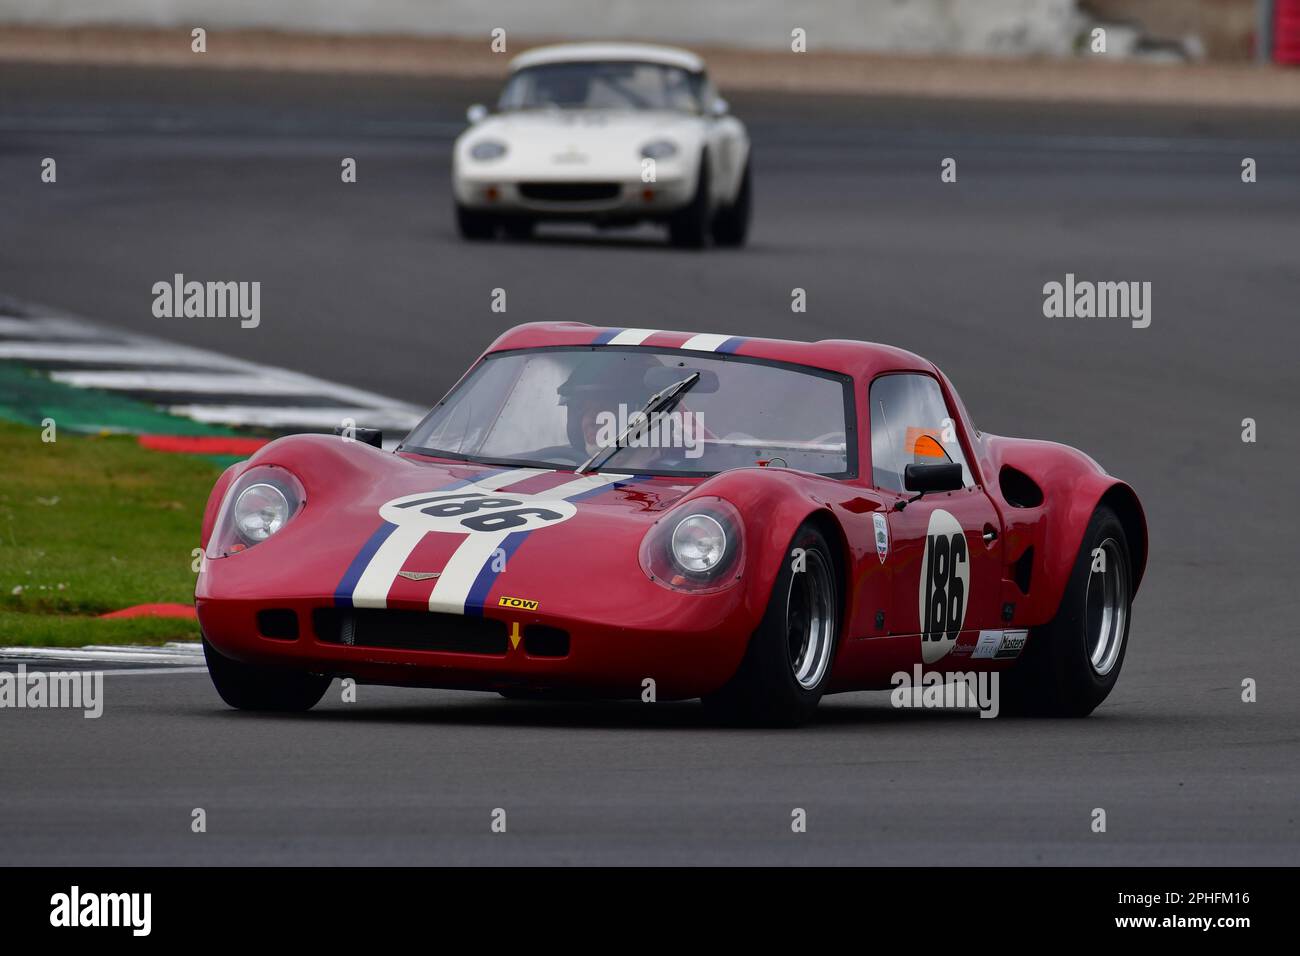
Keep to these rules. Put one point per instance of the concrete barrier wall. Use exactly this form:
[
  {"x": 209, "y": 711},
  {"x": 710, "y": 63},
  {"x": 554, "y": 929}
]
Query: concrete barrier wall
[{"x": 1011, "y": 27}]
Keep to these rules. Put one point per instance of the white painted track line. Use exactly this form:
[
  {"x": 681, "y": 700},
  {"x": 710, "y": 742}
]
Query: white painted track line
[
  {"x": 278, "y": 416},
  {"x": 200, "y": 382},
  {"x": 105, "y": 655},
  {"x": 158, "y": 366}
]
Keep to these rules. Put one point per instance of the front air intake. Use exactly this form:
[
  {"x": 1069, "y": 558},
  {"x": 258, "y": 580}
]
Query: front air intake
[{"x": 410, "y": 630}]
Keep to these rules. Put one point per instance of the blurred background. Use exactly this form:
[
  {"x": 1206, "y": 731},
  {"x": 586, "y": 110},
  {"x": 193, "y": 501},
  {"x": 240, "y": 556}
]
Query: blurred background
[{"x": 1218, "y": 30}]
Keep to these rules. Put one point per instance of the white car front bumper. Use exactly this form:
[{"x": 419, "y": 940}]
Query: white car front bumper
[{"x": 573, "y": 199}]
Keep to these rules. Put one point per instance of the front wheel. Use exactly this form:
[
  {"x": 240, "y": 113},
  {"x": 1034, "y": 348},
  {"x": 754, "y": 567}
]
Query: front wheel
[
  {"x": 788, "y": 663},
  {"x": 474, "y": 225},
  {"x": 689, "y": 227},
  {"x": 519, "y": 228},
  {"x": 731, "y": 225},
  {"x": 1071, "y": 663},
  {"x": 249, "y": 687}
]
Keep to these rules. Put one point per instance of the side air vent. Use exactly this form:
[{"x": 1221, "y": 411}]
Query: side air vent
[
  {"x": 1023, "y": 570},
  {"x": 543, "y": 641},
  {"x": 1019, "y": 490},
  {"x": 279, "y": 624}
]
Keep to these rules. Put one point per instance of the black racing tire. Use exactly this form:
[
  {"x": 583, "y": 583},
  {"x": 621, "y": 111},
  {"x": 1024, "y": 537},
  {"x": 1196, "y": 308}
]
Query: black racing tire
[
  {"x": 519, "y": 228},
  {"x": 249, "y": 687},
  {"x": 524, "y": 693},
  {"x": 731, "y": 224},
  {"x": 473, "y": 225},
  {"x": 766, "y": 690},
  {"x": 1056, "y": 675},
  {"x": 689, "y": 226}
]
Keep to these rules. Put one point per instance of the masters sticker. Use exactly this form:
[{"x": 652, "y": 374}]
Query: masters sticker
[{"x": 944, "y": 585}]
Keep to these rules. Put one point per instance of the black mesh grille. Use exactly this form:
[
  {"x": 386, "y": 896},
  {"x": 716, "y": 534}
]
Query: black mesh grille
[
  {"x": 569, "y": 192},
  {"x": 410, "y": 630}
]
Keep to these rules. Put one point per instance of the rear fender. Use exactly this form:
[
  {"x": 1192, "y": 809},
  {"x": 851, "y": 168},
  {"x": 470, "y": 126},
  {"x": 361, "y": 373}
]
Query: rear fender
[{"x": 1049, "y": 513}]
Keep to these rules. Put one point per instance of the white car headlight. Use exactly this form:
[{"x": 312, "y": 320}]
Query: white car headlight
[
  {"x": 698, "y": 548},
  {"x": 486, "y": 149},
  {"x": 257, "y": 505},
  {"x": 260, "y": 511},
  {"x": 659, "y": 149},
  {"x": 699, "y": 543}
]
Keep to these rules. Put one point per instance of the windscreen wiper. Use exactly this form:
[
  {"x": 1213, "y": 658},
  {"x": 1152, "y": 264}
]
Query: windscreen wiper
[{"x": 660, "y": 400}]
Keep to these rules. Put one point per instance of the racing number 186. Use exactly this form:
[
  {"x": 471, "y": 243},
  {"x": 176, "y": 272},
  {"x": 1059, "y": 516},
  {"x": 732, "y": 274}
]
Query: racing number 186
[
  {"x": 945, "y": 593},
  {"x": 505, "y": 513}
]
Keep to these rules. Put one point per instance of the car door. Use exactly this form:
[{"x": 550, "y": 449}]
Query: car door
[{"x": 946, "y": 551}]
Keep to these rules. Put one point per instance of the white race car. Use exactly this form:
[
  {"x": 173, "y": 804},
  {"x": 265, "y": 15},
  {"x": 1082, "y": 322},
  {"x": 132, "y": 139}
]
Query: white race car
[{"x": 608, "y": 133}]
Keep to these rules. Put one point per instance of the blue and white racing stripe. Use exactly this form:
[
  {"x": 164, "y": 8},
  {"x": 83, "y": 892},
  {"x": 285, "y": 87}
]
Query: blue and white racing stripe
[
  {"x": 371, "y": 573},
  {"x": 468, "y": 577},
  {"x": 465, "y": 580},
  {"x": 624, "y": 336},
  {"x": 711, "y": 342},
  {"x": 703, "y": 342}
]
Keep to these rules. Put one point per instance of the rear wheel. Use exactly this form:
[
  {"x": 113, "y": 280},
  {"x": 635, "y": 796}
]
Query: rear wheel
[
  {"x": 788, "y": 662},
  {"x": 1071, "y": 663},
  {"x": 689, "y": 227},
  {"x": 248, "y": 687},
  {"x": 474, "y": 225},
  {"x": 731, "y": 225}
]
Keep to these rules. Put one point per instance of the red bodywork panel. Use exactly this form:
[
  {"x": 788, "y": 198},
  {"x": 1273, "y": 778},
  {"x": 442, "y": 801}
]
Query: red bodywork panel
[{"x": 582, "y": 575}]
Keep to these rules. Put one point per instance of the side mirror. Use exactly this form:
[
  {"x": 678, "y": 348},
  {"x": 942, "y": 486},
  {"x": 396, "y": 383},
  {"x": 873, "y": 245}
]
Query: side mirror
[
  {"x": 476, "y": 113},
  {"x": 719, "y": 107},
  {"x": 367, "y": 436},
  {"x": 925, "y": 479}
]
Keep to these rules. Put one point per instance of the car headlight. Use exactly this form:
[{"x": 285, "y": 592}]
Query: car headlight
[
  {"x": 258, "y": 504},
  {"x": 659, "y": 149},
  {"x": 260, "y": 511},
  {"x": 698, "y": 546},
  {"x": 486, "y": 149}
]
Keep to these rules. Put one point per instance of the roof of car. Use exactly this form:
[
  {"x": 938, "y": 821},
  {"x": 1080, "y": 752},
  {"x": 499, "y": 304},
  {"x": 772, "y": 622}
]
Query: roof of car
[
  {"x": 862, "y": 360},
  {"x": 588, "y": 52}
]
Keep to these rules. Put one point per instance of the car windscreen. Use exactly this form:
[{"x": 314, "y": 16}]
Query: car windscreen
[
  {"x": 608, "y": 85},
  {"x": 559, "y": 407}
]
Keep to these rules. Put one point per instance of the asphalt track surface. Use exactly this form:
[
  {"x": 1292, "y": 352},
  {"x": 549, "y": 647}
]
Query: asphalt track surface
[{"x": 225, "y": 176}]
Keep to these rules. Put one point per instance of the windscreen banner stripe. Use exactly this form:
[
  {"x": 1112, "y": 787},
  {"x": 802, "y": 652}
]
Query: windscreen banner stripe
[
  {"x": 632, "y": 336},
  {"x": 707, "y": 342}
]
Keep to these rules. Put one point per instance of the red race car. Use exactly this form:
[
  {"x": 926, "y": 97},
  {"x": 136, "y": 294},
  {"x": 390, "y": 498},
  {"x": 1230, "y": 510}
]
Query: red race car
[{"x": 665, "y": 515}]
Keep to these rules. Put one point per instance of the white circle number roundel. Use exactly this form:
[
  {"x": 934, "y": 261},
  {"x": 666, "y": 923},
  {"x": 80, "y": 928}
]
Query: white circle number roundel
[
  {"x": 473, "y": 510},
  {"x": 945, "y": 585}
]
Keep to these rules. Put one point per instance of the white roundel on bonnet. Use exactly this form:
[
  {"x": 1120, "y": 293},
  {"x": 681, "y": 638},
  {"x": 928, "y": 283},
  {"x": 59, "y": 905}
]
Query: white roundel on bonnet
[
  {"x": 472, "y": 510},
  {"x": 945, "y": 585}
]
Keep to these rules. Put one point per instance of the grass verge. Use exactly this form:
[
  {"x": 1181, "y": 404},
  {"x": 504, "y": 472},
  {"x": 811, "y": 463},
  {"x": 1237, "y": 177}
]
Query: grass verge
[{"x": 90, "y": 525}]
